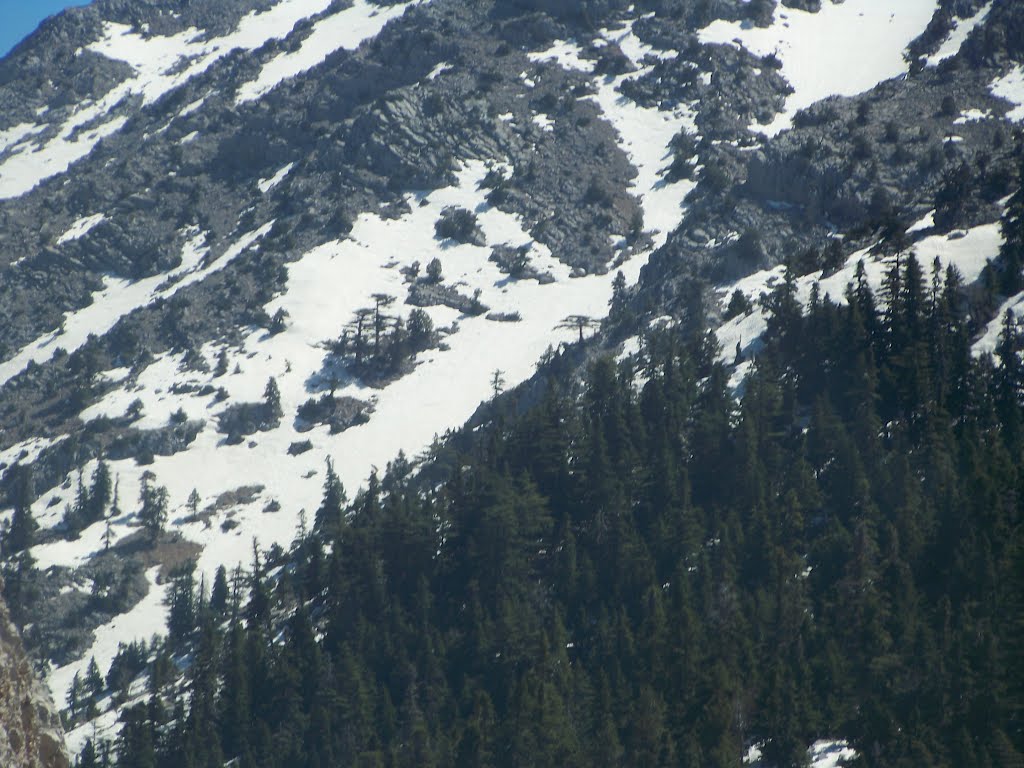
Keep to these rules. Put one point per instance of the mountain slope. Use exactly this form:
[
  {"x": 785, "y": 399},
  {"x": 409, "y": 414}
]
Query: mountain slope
[{"x": 200, "y": 199}]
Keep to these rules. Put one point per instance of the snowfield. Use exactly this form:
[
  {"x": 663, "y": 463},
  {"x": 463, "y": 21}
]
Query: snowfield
[{"x": 843, "y": 49}]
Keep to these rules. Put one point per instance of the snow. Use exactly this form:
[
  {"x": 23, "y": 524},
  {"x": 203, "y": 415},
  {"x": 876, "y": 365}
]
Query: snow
[
  {"x": 630, "y": 348},
  {"x": 989, "y": 339},
  {"x": 843, "y": 49},
  {"x": 265, "y": 185},
  {"x": 567, "y": 55},
  {"x": 971, "y": 116},
  {"x": 9, "y": 137},
  {"x": 753, "y": 754},
  {"x": 139, "y": 623},
  {"x": 645, "y": 133},
  {"x": 161, "y": 64},
  {"x": 962, "y": 28},
  {"x": 118, "y": 297},
  {"x": 925, "y": 222},
  {"x": 1011, "y": 87},
  {"x": 188, "y": 109},
  {"x": 80, "y": 228},
  {"x": 325, "y": 286},
  {"x": 439, "y": 70},
  {"x": 830, "y": 754},
  {"x": 544, "y": 122},
  {"x": 21, "y": 172},
  {"x": 26, "y": 451},
  {"x": 824, "y": 753},
  {"x": 105, "y": 727},
  {"x": 344, "y": 30}
]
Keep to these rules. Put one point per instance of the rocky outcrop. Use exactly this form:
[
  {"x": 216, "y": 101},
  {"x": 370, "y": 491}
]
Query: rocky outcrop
[{"x": 31, "y": 735}]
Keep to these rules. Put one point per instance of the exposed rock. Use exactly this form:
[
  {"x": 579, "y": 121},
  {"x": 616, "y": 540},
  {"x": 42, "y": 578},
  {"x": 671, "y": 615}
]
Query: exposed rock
[{"x": 31, "y": 735}]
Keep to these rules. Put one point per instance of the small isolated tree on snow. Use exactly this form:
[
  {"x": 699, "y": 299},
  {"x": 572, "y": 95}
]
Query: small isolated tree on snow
[
  {"x": 434, "y": 270},
  {"x": 498, "y": 381},
  {"x": 222, "y": 363},
  {"x": 579, "y": 322},
  {"x": 272, "y": 398},
  {"x": 153, "y": 506},
  {"x": 193, "y": 503},
  {"x": 278, "y": 321}
]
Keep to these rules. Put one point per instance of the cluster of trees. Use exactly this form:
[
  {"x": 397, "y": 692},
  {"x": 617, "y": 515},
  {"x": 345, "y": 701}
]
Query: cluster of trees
[
  {"x": 654, "y": 575},
  {"x": 377, "y": 345},
  {"x": 241, "y": 419},
  {"x": 84, "y": 693},
  {"x": 92, "y": 501}
]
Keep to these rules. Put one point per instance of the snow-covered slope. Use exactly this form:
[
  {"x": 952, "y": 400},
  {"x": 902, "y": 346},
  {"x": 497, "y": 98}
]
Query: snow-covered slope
[
  {"x": 844, "y": 49},
  {"x": 325, "y": 286},
  {"x": 288, "y": 116},
  {"x": 162, "y": 64}
]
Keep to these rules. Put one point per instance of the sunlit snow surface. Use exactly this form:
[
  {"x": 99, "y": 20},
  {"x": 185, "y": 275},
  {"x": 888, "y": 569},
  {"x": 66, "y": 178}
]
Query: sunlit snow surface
[
  {"x": 265, "y": 185},
  {"x": 830, "y": 754},
  {"x": 1011, "y": 87},
  {"x": 843, "y": 49},
  {"x": 142, "y": 622},
  {"x": 989, "y": 339},
  {"x": 645, "y": 133},
  {"x": 80, "y": 228},
  {"x": 160, "y": 64},
  {"x": 345, "y": 29},
  {"x": 119, "y": 297}
]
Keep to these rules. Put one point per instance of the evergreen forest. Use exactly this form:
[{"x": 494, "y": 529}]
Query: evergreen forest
[{"x": 647, "y": 570}]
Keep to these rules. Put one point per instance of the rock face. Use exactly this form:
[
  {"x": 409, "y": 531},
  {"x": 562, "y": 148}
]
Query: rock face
[{"x": 31, "y": 735}]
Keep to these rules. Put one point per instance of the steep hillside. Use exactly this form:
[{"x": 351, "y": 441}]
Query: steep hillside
[
  {"x": 31, "y": 735},
  {"x": 239, "y": 240}
]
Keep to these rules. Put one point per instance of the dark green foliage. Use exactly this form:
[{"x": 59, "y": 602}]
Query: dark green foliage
[
  {"x": 657, "y": 578},
  {"x": 153, "y": 502},
  {"x": 376, "y": 346}
]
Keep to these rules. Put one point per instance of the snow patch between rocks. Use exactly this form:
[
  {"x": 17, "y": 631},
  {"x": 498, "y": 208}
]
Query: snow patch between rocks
[
  {"x": 843, "y": 49},
  {"x": 81, "y": 228},
  {"x": 118, "y": 297},
  {"x": 1011, "y": 87},
  {"x": 161, "y": 64},
  {"x": 265, "y": 185},
  {"x": 346, "y": 29},
  {"x": 962, "y": 28}
]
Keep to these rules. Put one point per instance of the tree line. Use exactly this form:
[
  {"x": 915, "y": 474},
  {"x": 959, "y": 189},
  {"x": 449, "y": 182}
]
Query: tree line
[{"x": 647, "y": 571}]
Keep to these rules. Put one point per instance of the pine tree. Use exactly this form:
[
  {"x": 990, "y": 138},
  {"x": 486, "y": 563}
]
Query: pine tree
[
  {"x": 220, "y": 593},
  {"x": 193, "y": 503},
  {"x": 153, "y": 501},
  {"x": 330, "y": 513},
  {"x": 21, "y": 533},
  {"x": 100, "y": 491},
  {"x": 93, "y": 685},
  {"x": 272, "y": 400}
]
